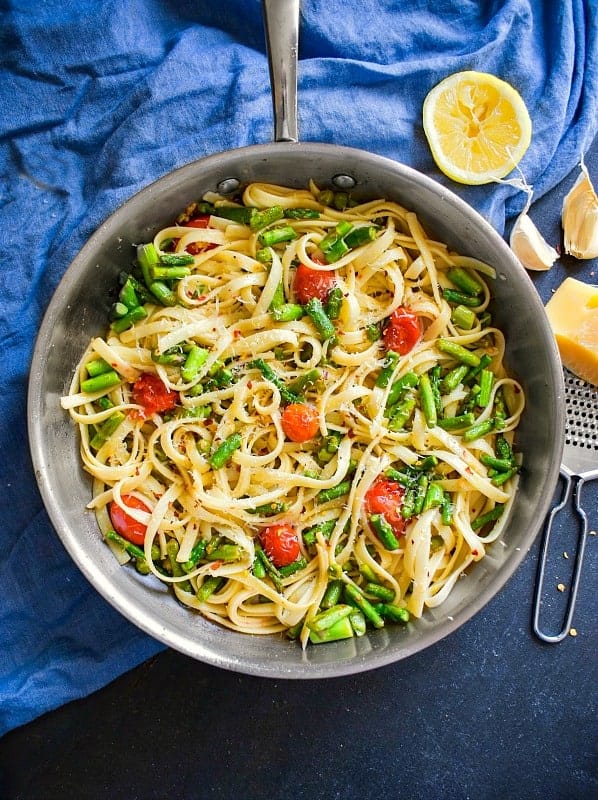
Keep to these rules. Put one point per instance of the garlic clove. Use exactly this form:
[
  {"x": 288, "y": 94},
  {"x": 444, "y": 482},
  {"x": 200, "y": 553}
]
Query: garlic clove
[
  {"x": 529, "y": 245},
  {"x": 580, "y": 218}
]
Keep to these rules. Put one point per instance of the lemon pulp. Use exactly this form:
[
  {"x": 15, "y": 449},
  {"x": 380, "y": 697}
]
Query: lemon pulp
[{"x": 477, "y": 126}]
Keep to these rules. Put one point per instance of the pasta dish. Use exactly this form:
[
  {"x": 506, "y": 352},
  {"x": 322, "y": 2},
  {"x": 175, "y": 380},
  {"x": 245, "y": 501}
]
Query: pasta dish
[{"x": 299, "y": 416}]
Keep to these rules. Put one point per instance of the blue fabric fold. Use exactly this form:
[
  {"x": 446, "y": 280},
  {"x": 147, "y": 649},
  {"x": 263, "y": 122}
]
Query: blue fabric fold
[{"x": 98, "y": 99}]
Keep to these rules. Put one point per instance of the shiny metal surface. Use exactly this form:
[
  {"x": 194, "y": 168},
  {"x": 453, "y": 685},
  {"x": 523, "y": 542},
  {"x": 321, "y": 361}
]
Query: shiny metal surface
[
  {"x": 281, "y": 20},
  {"x": 580, "y": 464},
  {"x": 79, "y": 310}
]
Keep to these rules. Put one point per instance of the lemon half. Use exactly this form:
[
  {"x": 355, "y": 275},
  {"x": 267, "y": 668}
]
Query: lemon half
[{"x": 477, "y": 126}]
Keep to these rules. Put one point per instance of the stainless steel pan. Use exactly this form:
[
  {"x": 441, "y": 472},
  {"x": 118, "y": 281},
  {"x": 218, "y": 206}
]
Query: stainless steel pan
[{"x": 79, "y": 310}]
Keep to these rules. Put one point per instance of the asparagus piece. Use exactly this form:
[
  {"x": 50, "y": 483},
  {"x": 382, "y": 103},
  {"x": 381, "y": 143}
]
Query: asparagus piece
[
  {"x": 106, "y": 429},
  {"x": 384, "y": 593},
  {"x": 458, "y": 352},
  {"x": 390, "y": 363},
  {"x": 384, "y": 531},
  {"x": 97, "y": 367},
  {"x": 326, "y": 495},
  {"x": 268, "y": 373},
  {"x": 291, "y": 569},
  {"x": 460, "y": 298},
  {"x": 172, "y": 549},
  {"x": 105, "y": 380},
  {"x": 132, "y": 316},
  {"x": 225, "y": 450},
  {"x": 323, "y": 324},
  {"x": 196, "y": 358},
  {"x": 210, "y": 585},
  {"x": 392, "y": 612},
  {"x": 341, "y": 630},
  {"x": 478, "y": 430},
  {"x": 367, "y": 609},
  {"x": 332, "y": 594},
  {"x": 334, "y": 302},
  {"x": 489, "y": 516},
  {"x": 465, "y": 281},
  {"x": 277, "y": 235},
  {"x": 176, "y": 259},
  {"x": 288, "y": 312},
  {"x": 329, "y": 617},
  {"x": 426, "y": 397},
  {"x": 195, "y": 556}
]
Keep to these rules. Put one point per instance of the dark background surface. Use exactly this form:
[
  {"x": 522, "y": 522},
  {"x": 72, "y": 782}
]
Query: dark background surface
[{"x": 489, "y": 712}]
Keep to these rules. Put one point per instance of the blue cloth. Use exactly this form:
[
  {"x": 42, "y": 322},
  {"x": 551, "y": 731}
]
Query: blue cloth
[{"x": 100, "y": 97}]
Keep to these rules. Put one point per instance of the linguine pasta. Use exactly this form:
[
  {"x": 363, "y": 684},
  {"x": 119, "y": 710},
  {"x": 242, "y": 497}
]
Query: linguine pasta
[{"x": 256, "y": 351}]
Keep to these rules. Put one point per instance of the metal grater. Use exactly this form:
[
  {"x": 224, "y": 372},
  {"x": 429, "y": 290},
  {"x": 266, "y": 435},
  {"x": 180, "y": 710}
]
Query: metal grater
[{"x": 580, "y": 464}]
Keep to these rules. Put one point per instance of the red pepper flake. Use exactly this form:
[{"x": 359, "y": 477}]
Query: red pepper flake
[
  {"x": 216, "y": 565},
  {"x": 351, "y": 433},
  {"x": 474, "y": 553},
  {"x": 237, "y": 334},
  {"x": 250, "y": 384}
]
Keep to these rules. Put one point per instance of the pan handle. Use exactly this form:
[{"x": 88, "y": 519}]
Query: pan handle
[
  {"x": 558, "y": 637},
  {"x": 281, "y": 21}
]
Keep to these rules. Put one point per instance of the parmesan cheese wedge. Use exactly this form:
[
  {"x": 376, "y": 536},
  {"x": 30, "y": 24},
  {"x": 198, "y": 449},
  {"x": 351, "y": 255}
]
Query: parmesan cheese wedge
[{"x": 573, "y": 315}]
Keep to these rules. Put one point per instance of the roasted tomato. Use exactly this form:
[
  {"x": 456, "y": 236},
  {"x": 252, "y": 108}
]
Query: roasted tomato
[
  {"x": 150, "y": 392},
  {"x": 402, "y": 331},
  {"x": 125, "y": 525},
  {"x": 300, "y": 422},
  {"x": 201, "y": 221},
  {"x": 385, "y": 496},
  {"x": 310, "y": 283},
  {"x": 281, "y": 544}
]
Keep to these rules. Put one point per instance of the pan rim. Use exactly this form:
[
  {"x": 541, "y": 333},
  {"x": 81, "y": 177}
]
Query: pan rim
[{"x": 116, "y": 598}]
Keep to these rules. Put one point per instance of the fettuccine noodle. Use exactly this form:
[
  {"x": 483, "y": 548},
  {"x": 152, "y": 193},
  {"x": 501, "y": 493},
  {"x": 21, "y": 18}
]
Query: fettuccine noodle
[{"x": 226, "y": 301}]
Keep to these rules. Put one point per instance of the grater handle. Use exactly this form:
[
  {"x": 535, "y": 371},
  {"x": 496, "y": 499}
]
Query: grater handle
[{"x": 577, "y": 507}]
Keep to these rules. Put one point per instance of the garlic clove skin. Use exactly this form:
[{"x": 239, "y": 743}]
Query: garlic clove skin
[
  {"x": 580, "y": 218},
  {"x": 529, "y": 245}
]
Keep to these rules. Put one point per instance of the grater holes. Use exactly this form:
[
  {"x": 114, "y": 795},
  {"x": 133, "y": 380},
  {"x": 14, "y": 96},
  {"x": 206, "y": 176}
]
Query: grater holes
[{"x": 582, "y": 413}]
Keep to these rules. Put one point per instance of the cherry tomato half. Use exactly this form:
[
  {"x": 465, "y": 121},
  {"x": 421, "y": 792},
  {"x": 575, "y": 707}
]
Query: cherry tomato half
[
  {"x": 310, "y": 283},
  {"x": 402, "y": 332},
  {"x": 385, "y": 496},
  {"x": 300, "y": 422},
  {"x": 150, "y": 392},
  {"x": 281, "y": 544},
  {"x": 125, "y": 525},
  {"x": 201, "y": 221},
  {"x": 195, "y": 248}
]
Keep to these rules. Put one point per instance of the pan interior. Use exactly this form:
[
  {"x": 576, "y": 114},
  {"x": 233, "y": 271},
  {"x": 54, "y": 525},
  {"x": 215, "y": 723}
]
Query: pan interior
[{"x": 79, "y": 310}]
